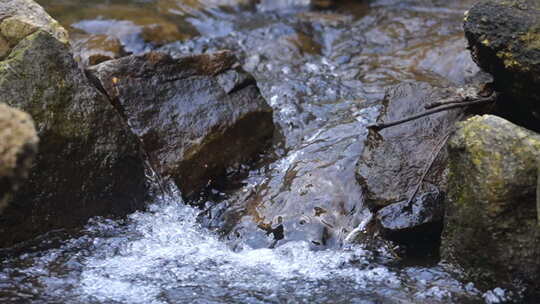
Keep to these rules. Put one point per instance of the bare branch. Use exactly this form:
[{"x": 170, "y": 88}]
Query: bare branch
[{"x": 450, "y": 105}]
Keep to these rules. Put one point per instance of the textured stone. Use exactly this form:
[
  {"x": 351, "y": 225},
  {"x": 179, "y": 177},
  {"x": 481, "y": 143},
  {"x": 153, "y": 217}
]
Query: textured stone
[
  {"x": 18, "y": 146},
  {"x": 491, "y": 226},
  {"x": 20, "y": 18},
  {"x": 504, "y": 38},
  {"x": 394, "y": 159},
  {"x": 195, "y": 115},
  {"x": 88, "y": 163}
]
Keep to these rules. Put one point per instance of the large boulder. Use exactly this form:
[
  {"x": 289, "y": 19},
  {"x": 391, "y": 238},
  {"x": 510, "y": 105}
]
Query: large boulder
[
  {"x": 195, "y": 115},
  {"x": 18, "y": 146},
  {"x": 491, "y": 225},
  {"x": 504, "y": 38},
  {"x": 89, "y": 162}
]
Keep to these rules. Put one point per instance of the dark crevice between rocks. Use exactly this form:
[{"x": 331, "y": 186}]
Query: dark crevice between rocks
[
  {"x": 278, "y": 233},
  {"x": 509, "y": 109},
  {"x": 419, "y": 242}
]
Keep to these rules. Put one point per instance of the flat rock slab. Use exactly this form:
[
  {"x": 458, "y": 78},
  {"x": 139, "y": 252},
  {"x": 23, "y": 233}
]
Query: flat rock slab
[
  {"x": 195, "y": 115},
  {"x": 504, "y": 38}
]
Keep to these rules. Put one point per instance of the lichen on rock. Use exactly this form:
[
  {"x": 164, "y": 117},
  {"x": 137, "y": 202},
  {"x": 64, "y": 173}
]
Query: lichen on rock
[
  {"x": 85, "y": 152},
  {"x": 504, "y": 38},
  {"x": 18, "y": 146},
  {"x": 491, "y": 227},
  {"x": 20, "y": 18}
]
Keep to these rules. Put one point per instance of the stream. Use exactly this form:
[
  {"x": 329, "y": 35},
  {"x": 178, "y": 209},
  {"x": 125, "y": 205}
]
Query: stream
[{"x": 275, "y": 232}]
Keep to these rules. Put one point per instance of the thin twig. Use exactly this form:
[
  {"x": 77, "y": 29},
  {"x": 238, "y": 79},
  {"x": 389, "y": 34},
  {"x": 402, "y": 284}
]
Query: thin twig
[
  {"x": 382, "y": 125},
  {"x": 439, "y": 103},
  {"x": 436, "y": 151}
]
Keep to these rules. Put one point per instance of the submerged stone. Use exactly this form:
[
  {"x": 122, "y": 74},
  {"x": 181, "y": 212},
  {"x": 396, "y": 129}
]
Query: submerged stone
[
  {"x": 504, "y": 38},
  {"x": 88, "y": 163},
  {"x": 491, "y": 225},
  {"x": 18, "y": 146},
  {"x": 195, "y": 115}
]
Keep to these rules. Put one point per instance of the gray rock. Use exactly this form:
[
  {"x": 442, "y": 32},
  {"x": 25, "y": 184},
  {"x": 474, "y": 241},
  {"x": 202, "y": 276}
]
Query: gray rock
[
  {"x": 491, "y": 226},
  {"x": 425, "y": 209},
  {"x": 393, "y": 160},
  {"x": 89, "y": 162},
  {"x": 20, "y": 18},
  {"x": 18, "y": 146},
  {"x": 195, "y": 115},
  {"x": 417, "y": 227}
]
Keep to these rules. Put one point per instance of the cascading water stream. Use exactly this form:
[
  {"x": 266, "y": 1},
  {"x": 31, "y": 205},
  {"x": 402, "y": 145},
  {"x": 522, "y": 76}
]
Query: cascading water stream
[
  {"x": 163, "y": 255},
  {"x": 322, "y": 101}
]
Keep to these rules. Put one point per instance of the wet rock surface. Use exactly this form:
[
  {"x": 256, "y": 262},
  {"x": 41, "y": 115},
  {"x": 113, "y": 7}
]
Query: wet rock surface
[
  {"x": 325, "y": 75},
  {"x": 394, "y": 159},
  {"x": 88, "y": 163},
  {"x": 18, "y": 146},
  {"x": 416, "y": 226},
  {"x": 195, "y": 115},
  {"x": 491, "y": 225},
  {"x": 503, "y": 36}
]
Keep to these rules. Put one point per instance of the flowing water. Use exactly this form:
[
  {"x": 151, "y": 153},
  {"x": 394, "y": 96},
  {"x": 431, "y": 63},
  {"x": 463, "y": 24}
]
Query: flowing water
[
  {"x": 324, "y": 72},
  {"x": 164, "y": 256}
]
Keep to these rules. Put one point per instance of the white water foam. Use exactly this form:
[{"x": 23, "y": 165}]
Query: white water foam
[{"x": 164, "y": 256}]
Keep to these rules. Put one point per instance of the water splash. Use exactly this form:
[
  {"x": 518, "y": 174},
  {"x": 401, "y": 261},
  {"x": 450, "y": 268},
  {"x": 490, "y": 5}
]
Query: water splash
[{"x": 164, "y": 255}]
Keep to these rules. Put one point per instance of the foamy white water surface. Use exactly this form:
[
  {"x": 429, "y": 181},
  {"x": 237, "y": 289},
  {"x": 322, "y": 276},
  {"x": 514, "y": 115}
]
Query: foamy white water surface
[{"x": 164, "y": 256}]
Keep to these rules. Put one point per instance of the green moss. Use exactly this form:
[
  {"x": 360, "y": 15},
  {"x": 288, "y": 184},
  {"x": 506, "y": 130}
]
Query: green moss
[
  {"x": 531, "y": 40},
  {"x": 491, "y": 227},
  {"x": 55, "y": 88},
  {"x": 510, "y": 62}
]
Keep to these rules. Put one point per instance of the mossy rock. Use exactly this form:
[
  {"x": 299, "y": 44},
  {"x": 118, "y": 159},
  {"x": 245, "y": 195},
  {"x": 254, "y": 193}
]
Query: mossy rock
[
  {"x": 20, "y": 18},
  {"x": 89, "y": 162},
  {"x": 491, "y": 226},
  {"x": 18, "y": 146},
  {"x": 504, "y": 38}
]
